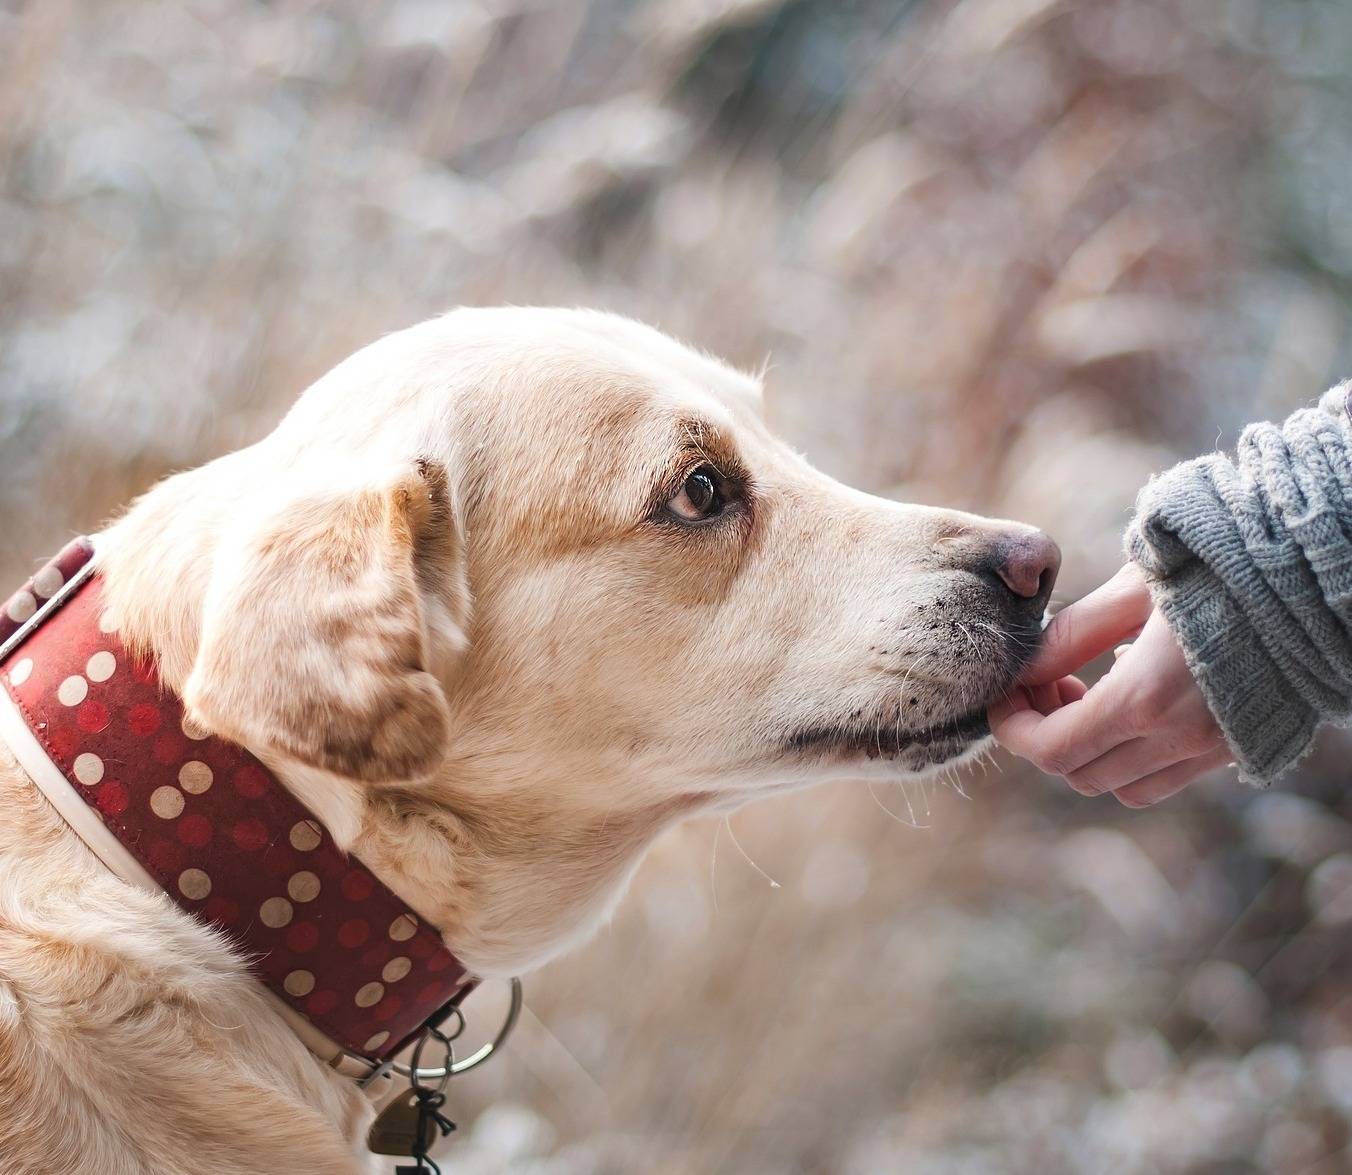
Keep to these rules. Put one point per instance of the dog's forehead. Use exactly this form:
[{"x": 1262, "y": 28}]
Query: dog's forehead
[
  {"x": 606, "y": 358},
  {"x": 565, "y": 377},
  {"x": 649, "y": 350}
]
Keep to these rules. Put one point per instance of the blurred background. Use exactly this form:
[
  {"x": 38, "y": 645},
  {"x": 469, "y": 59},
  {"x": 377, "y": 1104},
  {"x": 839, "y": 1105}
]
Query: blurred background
[{"x": 1009, "y": 255}]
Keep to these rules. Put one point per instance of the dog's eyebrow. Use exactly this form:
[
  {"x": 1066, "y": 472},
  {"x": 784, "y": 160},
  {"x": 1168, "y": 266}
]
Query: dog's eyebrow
[{"x": 697, "y": 437}]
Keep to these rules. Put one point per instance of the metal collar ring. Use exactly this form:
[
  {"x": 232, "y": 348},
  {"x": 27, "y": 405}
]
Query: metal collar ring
[{"x": 454, "y": 1068}]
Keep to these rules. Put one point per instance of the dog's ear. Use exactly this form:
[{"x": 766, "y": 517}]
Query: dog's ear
[{"x": 319, "y": 626}]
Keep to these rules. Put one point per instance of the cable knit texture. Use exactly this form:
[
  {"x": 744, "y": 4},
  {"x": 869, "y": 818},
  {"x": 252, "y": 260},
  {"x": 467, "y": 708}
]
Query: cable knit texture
[{"x": 1250, "y": 560}]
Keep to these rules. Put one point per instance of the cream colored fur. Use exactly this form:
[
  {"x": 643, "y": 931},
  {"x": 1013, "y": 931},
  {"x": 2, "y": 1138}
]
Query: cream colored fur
[{"x": 442, "y": 600}]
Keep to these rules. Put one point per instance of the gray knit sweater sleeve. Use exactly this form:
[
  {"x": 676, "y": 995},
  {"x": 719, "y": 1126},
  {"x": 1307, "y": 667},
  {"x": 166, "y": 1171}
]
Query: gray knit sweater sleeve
[{"x": 1250, "y": 560}]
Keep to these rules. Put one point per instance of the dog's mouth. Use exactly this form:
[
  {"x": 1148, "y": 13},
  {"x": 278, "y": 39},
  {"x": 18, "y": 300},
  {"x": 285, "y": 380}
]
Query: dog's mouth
[
  {"x": 917, "y": 729},
  {"x": 884, "y": 740}
]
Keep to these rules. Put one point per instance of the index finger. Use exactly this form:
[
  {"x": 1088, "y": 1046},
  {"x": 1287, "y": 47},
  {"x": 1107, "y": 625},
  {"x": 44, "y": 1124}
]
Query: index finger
[{"x": 1105, "y": 617}]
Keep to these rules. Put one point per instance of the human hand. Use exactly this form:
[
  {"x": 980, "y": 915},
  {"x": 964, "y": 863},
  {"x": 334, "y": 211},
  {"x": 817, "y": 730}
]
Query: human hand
[{"x": 1143, "y": 732}]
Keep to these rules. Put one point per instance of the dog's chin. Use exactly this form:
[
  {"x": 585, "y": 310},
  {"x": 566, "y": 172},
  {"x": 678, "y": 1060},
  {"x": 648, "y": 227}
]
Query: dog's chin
[
  {"x": 914, "y": 751},
  {"x": 884, "y": 740}
]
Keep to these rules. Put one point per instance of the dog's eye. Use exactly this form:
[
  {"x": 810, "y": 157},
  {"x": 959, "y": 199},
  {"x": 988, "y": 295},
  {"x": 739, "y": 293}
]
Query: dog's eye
[{"x": 702, "y": 496}]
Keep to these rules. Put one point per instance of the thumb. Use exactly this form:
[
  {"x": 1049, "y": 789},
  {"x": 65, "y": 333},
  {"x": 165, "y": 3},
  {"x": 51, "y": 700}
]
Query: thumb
[{"x": 1105, "y": 617}]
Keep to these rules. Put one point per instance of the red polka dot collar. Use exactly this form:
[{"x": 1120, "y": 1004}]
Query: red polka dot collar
[{"x": 213, "y": 827}]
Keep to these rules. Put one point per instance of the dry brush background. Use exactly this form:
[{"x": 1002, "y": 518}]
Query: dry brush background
[{"x": 1011, "y": 255}]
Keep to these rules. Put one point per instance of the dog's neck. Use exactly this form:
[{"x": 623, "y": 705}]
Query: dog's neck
[
  {"x": 510, "y": 882},
  {"x": 512, "y": 867}
]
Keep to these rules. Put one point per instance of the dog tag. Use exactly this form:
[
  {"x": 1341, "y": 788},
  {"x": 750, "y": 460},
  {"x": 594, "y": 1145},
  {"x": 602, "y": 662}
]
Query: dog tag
[{"x": 396, "y": 1128}]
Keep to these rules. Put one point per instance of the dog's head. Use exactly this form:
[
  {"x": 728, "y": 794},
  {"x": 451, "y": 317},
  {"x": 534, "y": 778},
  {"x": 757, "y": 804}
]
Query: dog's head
[{"x": 534, "y": 571}]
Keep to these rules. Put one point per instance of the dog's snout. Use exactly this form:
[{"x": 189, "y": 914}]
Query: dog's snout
[{"x": 1027, "y": 563}]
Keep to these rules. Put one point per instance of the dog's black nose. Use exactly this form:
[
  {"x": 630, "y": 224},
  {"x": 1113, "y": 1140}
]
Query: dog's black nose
[{"x": 1027, "y": 563}]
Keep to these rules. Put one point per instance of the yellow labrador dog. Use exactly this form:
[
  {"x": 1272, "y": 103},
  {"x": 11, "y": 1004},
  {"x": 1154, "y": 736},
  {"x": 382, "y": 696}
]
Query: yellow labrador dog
[{"x": 504, "y": 596}]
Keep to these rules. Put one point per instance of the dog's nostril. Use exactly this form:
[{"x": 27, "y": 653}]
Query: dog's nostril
[{"x": 1028, "y": 563}]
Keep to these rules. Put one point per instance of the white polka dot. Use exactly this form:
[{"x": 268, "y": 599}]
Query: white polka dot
[
  {"x": 21, "y": 672},
  {"x": 106, "y": 625},
  {"x": 88, "y": 769},
  {"x": 403, "y": 928},
  {"x": 192, "y": 730},
  {"x": 376, "y": 1041},
  {"x": 369, "y": 994},
  {"x": 72, "y": 691},
  {"x": 304, "y": 836},
  {"x": 194, "y": 884},
  {"x": 194, "y": 777},
  {"x": 166, "y": 802},
  {"x": 299, "y": 983},
  {"x": 48, "y": 581},
  {"x": 396, "y": 969},
  {"x": 21, "y": 606},
  {"x": 303, "y": 886},
  {"x": 275, "y": 912},
  {"x": 100, "y": 666}
]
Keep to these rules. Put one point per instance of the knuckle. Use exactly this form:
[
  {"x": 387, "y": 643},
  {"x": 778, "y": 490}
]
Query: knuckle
[
  {"x": 1085, "y": 784},
  {"x": 1055, "y": 762}
]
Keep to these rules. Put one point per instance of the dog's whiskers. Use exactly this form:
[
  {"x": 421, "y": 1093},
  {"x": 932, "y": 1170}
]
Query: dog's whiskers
[
  {"x": 912, "y": 822},
  {"x": 746, "y": 857}
]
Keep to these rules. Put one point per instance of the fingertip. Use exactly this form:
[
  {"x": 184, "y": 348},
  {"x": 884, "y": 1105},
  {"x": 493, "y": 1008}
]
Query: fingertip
[
  {"x": 1062, "y": 647},
  {"x": 1071, "y": 689},
  {"x": 1016, "y": 727},
  {"x": 1044, "y": 665}
]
